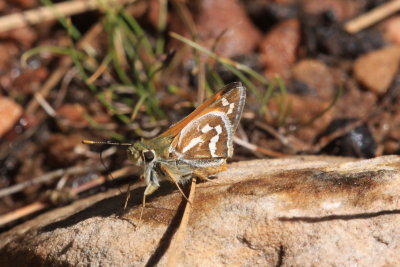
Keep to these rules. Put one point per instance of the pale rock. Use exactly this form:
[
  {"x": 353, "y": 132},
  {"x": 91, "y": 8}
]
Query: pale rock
[
  {"x": 10, "y": 112},
  {"x": 391, "y": 29},
  {"x": 300, "y": 211},
  {"x": 377, "y": 69}
]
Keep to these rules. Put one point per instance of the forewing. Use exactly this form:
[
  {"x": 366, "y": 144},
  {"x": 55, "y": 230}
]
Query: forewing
[
  {"x": 230, "y": 99},
  {"x": 208, "y": 133}
]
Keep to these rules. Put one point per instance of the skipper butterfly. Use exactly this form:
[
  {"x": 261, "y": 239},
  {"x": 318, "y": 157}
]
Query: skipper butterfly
[{"x": 197, "y": 146}]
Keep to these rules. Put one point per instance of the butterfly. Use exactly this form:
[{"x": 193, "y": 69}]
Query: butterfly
[{"x": 197, "y": 146}]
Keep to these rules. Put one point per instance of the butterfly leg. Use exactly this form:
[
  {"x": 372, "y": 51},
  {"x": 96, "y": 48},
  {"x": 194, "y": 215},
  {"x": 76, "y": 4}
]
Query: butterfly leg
[
  {"x": 180, "y": 189},
  {"x": 175, "y": 175},
  {"x": 128, "y": 196},
  {"x": 148, "y": 191}
]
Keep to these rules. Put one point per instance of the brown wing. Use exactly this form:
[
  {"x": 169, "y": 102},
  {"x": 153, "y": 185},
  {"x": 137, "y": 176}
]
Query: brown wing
[
  {"x": 208, "y": 136},
  {"x": 234, "y": 93},
  {"x": 208, "y": 132}
]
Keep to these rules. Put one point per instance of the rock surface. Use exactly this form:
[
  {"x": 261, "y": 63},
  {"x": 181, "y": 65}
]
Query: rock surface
[{"x": 302, "y": 211}]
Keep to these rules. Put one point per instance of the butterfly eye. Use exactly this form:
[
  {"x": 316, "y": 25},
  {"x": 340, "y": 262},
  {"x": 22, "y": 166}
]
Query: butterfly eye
[{"x": 148, "y": 155}]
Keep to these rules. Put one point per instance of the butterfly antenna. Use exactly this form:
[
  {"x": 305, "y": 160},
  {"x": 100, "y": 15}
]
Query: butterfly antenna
[{"x": 112, "y": 143}]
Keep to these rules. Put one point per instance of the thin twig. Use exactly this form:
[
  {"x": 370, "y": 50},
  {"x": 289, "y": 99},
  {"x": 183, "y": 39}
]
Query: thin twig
[
  {"x": 41, "y": 205},
  {"x": 373, "y": 16},
  {"x": 47, "y": 13},
  {"x": 45, "y": 105},
  {"x": 64, "y": 85},
  {"x": 373, "y": 113},
  {"x": 47, "y": 178},
  {"x": 22, "y": 212},
  {"x": 187, "y": 19},
  {"x": 63, "y": 68},
  {"x": 255, "y": 148},
  {"x": 102, "y": 179},
  {"x": 201, "y": 89},
  {"x": 55, "y": 77},
  {"x": 284, "y": 141},
  {"x": 100, "y": 70},
  {"x": 324, "y": 141},
  {"x": 237, "y": 68}
]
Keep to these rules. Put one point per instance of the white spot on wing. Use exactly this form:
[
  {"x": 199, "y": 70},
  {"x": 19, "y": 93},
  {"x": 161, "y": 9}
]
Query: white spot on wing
[
  {"x": 218, "y": 128},
  {"x": 213, "y": 141},
  {"x": 231, "y": 106},
  {"x": 213, "y": 146},
  {"x": 206, "y": 128},
  {"x": 224, "y": 102},
  {"x": 192, "y": 143}
]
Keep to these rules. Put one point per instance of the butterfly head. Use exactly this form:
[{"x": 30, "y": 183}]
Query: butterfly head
[
  {"x": 145, "y": 156},
  {"x": 141, "y": 153}
]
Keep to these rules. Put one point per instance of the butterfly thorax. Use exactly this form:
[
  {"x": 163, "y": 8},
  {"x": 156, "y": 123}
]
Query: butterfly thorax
[{"x": 157, "y": 162}]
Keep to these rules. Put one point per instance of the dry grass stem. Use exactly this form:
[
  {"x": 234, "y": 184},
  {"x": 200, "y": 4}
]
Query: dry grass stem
[
  {"x": 373, "y": 16},
  {"x": 47, "y": 13}
]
